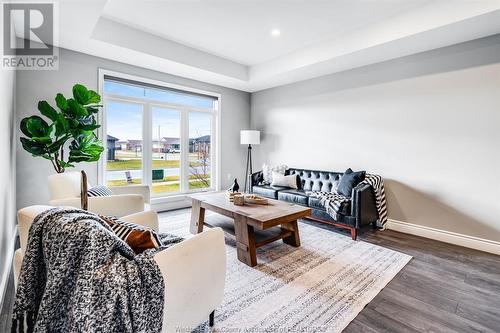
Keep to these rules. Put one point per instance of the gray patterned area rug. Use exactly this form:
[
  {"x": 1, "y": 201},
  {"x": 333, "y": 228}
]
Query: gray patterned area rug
[{"x": 318, "y": 287}]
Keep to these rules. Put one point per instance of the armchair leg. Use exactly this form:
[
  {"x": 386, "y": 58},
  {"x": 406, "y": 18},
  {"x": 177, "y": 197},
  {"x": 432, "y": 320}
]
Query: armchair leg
[
  {"x": 211, "y": 319},
  {"x": 354, "y": 233}
]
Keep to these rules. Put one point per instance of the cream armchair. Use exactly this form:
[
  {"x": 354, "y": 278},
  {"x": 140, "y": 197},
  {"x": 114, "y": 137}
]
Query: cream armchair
[
  {"x": 194, "y": 270},
  {"x": 65, "y": 187}
]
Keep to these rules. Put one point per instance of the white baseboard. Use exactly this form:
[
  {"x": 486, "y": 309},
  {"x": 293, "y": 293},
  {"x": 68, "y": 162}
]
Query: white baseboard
[
  {"x": 7, "y": 269},
  {"x": 472, "y": 242}
]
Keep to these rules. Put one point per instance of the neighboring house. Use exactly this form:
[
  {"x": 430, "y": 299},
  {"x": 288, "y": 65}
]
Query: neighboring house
[
  {"x": 121, "y": 145},
  {"x": 134, "y": 145},
  {"x": 111, "y": 146},
  {"x": 200, "y": 145},
  {"x": 171, "y": 144}
]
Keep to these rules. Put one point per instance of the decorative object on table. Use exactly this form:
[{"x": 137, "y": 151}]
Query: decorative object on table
[
  {"x": 255, "y": 199},
  {"x": 230, "y": 195},
  {"x": 267, "y": 172},
  {"x": 74, "y": 124},
  {"x": 239, "y": 200},
  {"x": 289, "y": 181},
  {"x": 235, "y": 187},
  {"x": 249, "y": 137}
]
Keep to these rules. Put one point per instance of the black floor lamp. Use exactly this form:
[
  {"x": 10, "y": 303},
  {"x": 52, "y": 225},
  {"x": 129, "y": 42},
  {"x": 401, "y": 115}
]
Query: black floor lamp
[{"x": 249, "y": 137}]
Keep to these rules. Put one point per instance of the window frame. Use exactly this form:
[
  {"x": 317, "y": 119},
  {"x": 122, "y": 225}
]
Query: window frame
[{"x": 148, "y": 131}]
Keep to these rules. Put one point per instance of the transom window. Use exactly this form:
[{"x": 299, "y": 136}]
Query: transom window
[{"x": 159, "y": 135}]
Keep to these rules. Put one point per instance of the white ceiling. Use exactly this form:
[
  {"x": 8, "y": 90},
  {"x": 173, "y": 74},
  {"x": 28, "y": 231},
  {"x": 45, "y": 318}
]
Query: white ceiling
[
  {"x": 240, "y": 30},
  {"x": 229, "y": 42}
]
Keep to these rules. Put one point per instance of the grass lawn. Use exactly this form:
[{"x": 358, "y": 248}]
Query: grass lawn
[
  {"x": 163, "y": 188},
  {"x": 137, "y": 164},
  {"x": 123, "y": 182}
]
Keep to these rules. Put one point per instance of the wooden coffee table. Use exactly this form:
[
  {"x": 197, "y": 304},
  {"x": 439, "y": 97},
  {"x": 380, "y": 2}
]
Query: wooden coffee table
[{"x": 249, "y": 222}]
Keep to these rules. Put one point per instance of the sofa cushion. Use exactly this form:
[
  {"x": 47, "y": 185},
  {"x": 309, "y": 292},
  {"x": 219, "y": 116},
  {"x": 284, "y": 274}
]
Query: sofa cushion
[
  {"x": 289, "y": 181},
  {"x": 295, "y": 196},
  {"x": 311, "y": 180},
  {"x": 348, "y": 181},
  {"x": 268, "y": 191},
  {"x": 316, "y": 204}
]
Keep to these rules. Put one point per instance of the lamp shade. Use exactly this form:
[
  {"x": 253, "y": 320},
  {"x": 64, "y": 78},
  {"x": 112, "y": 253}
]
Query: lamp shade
[{"x": 249, "y": 137}]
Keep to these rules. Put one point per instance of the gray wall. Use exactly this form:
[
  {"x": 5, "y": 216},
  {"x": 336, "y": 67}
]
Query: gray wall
[
  {"x": 7, "y": 169},
  {"x": 428, "y": 123},
  {"x": 75, "y": 67}
]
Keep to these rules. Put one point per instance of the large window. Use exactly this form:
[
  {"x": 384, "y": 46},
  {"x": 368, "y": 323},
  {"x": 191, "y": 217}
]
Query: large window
[{"x": 159, "y": 135}]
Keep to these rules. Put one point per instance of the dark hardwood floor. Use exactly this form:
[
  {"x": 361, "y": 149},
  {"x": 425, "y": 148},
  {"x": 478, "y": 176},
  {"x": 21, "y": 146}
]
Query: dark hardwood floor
[{"x": 444, "y": 288}]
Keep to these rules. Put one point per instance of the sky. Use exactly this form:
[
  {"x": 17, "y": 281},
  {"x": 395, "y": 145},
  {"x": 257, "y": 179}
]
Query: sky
[{"x": 124, "y": 120}]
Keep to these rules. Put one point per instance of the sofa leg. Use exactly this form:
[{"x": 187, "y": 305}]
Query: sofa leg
[
  {"x": 354, "y": 233},
  {"x": 211, "y": 319},
  {"x": 374, "y": 225}
]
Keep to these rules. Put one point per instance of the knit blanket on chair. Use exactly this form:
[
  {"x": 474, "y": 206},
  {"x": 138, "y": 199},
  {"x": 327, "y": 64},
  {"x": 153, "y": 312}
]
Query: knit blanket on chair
[
  {"x": 78, "y": 276},
  {"x": 333, "y": 202}
]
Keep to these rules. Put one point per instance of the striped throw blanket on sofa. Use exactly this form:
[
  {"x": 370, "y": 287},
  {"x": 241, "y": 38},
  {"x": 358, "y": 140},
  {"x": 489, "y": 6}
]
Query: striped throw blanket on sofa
[{"x": 333, "y": 202}]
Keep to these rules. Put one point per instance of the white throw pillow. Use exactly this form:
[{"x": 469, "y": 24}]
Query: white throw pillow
[
  {"x": 267, "y": 172},
  {"x": 285, "y": 181}
]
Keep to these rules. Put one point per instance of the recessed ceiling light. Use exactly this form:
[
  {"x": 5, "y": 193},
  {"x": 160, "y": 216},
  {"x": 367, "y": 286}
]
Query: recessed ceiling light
[{"x": 275, "y": 32}]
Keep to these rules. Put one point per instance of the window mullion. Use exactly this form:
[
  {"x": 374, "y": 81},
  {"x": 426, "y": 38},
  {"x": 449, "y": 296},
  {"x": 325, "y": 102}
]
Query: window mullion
[
  {"x": 147, "y": 145},
  {"x": 184, "y": 152}
]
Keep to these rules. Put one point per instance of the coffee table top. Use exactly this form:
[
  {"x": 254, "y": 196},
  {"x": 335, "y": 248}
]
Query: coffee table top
[{"x": 263, "y": 216}]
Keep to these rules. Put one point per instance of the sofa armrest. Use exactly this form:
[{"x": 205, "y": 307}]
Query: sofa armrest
[
  {"x": 143, "y": 190},
  {"x": 257, "y": 177},
  {"x": 116, "y": 205},
  {"x": 147, "y": 219},
  {"x": 194, "y": 273},
  {"x": 363, "y": 206}
]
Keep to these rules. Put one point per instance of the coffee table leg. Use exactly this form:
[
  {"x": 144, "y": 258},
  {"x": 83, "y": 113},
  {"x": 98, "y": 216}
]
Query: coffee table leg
[
  {"x": 197, "y": 217},
  {"x": 245, "y": 241},
  {"x": 294, "y": 239}
]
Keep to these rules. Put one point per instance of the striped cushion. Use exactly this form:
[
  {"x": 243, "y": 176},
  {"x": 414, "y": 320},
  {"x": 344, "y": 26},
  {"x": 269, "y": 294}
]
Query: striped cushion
[
  {"x": 99, "y": 191},
  {"x": 139, "y": 238}
]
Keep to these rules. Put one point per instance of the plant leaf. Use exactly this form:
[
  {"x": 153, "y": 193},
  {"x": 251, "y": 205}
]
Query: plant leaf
[
  {"x": 32, "y": 147},
  {"x": 62, "y": 125},
  {"x": 56, "y": 145},
  {"x": 66, "y": 164},
  {"x": 34, "y": 126},
  {"x": 86, "y": 148},
  {"x": 24, "y": 127},
  {"x": 93, "y": 97},
  {"x": 81, "y": 94},
  {"x": 47, "y": 110},
  {"x": 61, "y": 102},
  {"x": 77, "y": 109},
  {"x": 90, "y": 127}
]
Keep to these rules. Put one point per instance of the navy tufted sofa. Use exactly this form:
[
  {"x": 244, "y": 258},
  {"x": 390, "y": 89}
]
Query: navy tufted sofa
[{"x": 359, "y": 212}]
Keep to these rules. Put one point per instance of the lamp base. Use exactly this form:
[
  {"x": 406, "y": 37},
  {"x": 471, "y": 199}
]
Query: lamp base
[{"x": 249, "y": 171}]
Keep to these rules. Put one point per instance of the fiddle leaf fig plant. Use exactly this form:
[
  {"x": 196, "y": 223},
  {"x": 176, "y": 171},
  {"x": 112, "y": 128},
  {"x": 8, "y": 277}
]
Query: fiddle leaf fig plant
[{"x": 70, "y": 126}]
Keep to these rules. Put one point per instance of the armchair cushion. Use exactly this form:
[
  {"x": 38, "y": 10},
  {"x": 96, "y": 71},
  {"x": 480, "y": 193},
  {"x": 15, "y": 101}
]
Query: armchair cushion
[
  {"x": 99, "y": 191},
  {"x": 139, "y": 238}
]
